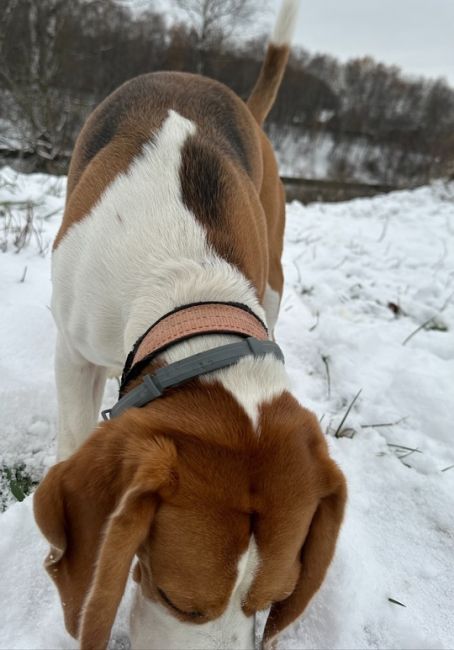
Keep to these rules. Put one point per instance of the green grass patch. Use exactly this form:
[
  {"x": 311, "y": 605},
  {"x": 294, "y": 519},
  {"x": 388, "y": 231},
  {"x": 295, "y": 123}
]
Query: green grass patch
[{"x": 16, "y": 483}]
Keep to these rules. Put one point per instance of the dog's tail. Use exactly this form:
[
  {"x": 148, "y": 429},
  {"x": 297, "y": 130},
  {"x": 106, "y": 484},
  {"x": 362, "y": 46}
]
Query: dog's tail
[{"x": 265, "y": 90}]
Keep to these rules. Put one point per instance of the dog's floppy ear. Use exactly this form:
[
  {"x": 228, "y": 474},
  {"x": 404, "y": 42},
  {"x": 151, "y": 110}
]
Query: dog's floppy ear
[
  {"x": 95, "y": 509},
  {"x": 316, "y": 554},
  {"x": 126, "y": 530}
]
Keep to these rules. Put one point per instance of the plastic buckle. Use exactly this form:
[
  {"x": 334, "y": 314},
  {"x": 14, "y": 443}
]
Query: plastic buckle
[
  {"x": 255, "y": 346},
  {"x": 152, "y": 386}
]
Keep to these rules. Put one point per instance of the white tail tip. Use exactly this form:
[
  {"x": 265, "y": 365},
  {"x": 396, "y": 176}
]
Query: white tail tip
[{"x": 284, "y": 27}]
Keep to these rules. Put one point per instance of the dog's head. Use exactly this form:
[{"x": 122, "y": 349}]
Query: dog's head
[{"x": 219, "y": 515}]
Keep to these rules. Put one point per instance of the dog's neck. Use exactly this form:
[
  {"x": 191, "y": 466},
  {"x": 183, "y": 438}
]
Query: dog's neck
[
  {"x": 252, "y": 381},
  {"x": 177, "y": 283}
]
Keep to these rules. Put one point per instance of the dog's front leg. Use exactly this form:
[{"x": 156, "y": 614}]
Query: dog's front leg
[{"x": 80, "y": 387}]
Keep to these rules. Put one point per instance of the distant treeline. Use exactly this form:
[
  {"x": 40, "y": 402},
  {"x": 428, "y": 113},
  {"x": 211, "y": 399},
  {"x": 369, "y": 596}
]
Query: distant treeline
[{"x": 58, "y": 59}]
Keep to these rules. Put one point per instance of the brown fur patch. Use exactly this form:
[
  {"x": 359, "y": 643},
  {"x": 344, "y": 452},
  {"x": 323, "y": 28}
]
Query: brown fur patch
[
  {"x": 223, "y": 199},
  {"x": 209, "y": 482},
  {"x": 272, "y": 198},
  {"x": 271, "y": 74}
]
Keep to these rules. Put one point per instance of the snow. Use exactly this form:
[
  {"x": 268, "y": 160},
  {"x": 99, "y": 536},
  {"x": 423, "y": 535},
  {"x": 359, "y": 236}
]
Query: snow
[{"x": 349, "y": 268}]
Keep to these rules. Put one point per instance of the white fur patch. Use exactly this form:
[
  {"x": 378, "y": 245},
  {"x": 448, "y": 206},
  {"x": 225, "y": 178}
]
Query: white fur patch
[
  {"x": 285, "y": 24},
  {"x": 254, "y": 382},
  {"x": 247, "y": 570},
  {"x": 154, "y": 628},
  {"x": 271, "y": 304},
  {"x": 251, "y": 381}
]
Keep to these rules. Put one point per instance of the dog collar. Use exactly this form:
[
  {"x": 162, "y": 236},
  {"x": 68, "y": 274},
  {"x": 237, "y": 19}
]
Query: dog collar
[
  {"x": 179, "y": 325},
  {"x": 186, "y": 322},
  {"x": 175, "y": 374}
]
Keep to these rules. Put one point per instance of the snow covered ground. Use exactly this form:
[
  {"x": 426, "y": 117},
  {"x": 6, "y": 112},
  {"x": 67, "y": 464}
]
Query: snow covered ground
[{"x": 361, "y": 278}]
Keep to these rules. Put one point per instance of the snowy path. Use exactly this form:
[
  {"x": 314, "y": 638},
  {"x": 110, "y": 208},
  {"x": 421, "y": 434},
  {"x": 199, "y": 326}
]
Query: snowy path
[{"x": 349, "y": 268}]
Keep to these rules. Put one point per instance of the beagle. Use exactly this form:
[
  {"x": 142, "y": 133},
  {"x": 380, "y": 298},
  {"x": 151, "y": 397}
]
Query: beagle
[{"x": 208, "y": 475}]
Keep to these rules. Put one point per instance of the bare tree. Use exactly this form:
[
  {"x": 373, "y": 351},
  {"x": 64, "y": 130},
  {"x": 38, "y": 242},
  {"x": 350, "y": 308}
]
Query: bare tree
[
  {"x": 27, "y": 69},
  {"x": 216, "y": 21},
  {"x": 59, "y": 58}
]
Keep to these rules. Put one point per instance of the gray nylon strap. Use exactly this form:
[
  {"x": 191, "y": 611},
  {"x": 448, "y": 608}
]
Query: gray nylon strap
[{"x": 153, "y": 386}]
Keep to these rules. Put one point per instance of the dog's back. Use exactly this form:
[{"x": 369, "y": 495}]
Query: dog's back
[
  {"x": 170, "y": 166},
  {"x": 226, "y": 130},
  {"x": 136, "y": 110},
  {"x": 131, "y": 115}
]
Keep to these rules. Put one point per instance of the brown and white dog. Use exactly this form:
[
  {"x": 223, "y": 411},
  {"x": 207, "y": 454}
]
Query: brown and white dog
[{"x": 223, "y": 488}]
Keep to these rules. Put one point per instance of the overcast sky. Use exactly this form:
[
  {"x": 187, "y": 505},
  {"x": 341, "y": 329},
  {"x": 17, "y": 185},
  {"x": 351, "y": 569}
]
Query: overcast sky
[{"x": 417, "y": 35}]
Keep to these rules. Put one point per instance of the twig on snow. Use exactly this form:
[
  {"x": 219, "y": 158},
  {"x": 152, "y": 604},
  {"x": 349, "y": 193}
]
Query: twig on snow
[{"x": 352, "y": 403}]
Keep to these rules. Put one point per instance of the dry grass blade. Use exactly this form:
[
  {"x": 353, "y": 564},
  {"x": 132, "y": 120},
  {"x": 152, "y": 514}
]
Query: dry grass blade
[
  {"x": 418, "y": 329},
  {"x": 447, "y": 468},
  {"x": 22, "y": 280},
  {"x": 24, "y": 233},
  {"x": 430, "y": 320},
  {"x": 408, "y": 453},
  {"x": 20, "y": 223},
  {"x": 396, "y": 602},
  {"x": 312, "y": 328},
  {"x": 49, "y": 215},
  {"x": 379, "y": 425},
  {"x": 298, "y": 271},
  {"x": 390, "y": 444},
  {"x": 328, "y": 377},
  {"x": 352, "y": 403},
  {"x": 7, "y": 205}
]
